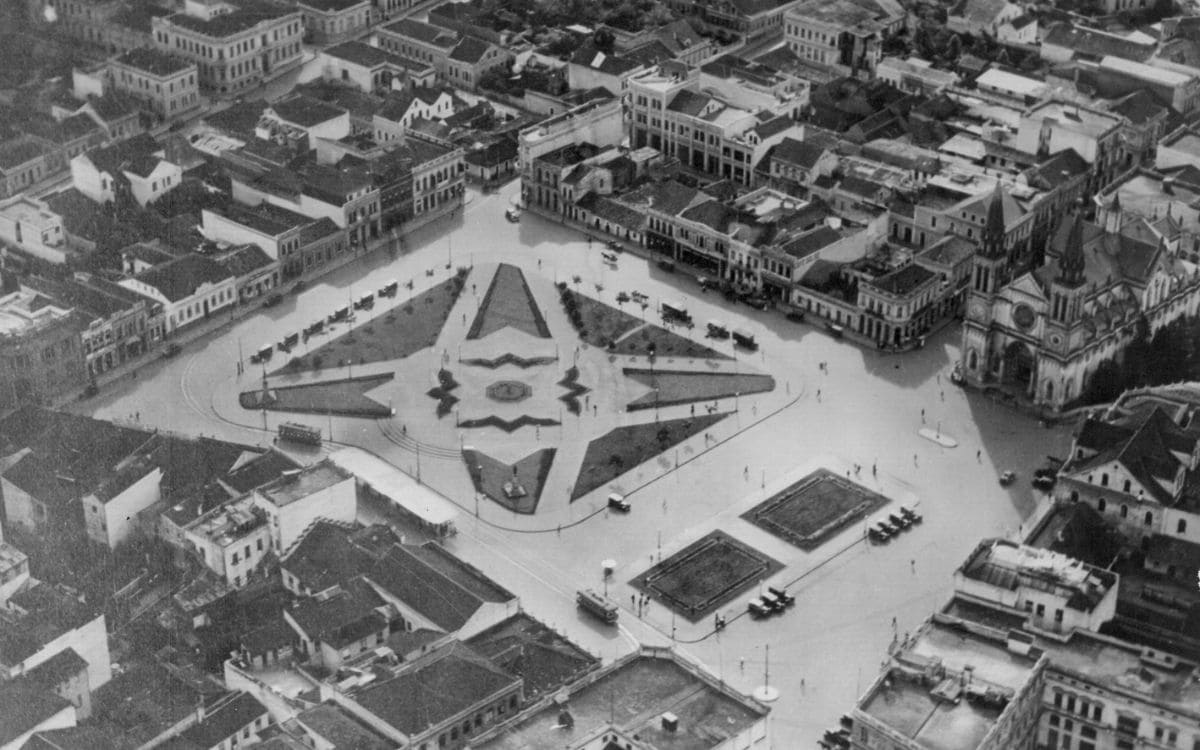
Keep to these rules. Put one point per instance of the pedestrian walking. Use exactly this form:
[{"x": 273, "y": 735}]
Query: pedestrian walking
[
  {"x": 893, "y": 623},
  {"x": 874, "y": 469},
  {"x": 943, "y": 395},
  {"x": 746, "y": 472},
  {"x": 403, "y": 429},
  {"x": 464, "y": 318},
  {"x": 742, "y": 664},
  {"x": 913, "y": 564},
  {"x": 979, "y": 455},
  {"x": 818, "y": 394},
  {"x": 914, "y": 459},
  {"x": 539, "y": 263},
  {"x": 922, "y": 416},
  {"x": 537, "y": 432},
  {"x": 595, "y": 410},
  {"x": 693, "y": 410}
]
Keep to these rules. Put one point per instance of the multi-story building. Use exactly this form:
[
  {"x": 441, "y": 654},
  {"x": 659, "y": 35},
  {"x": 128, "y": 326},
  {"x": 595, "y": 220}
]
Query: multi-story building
[
  {"x": 459, "y": 60},
  {"x": 915, "y": 76},
  {"x": 754, "y": 19},
  {"x": 165, "y": 84},
  {"x": 123, "y": 324},
  {"x": 333, "y": 21},
  {"x": 86, "y": 20},
  {"x": 599, "y": 122},
  {"x": 135, "y": 169},
  {"x": 41, "y": 358},
  {"x": 846, "y": 35},
  {"x": 373, "y": 69},
  {"x": 1053, "y": 126},
  {"x": 297, "y": 499},
  {"x": 23, "y": 163},
  {"x": 234, "y": 49},
  {"x": 40, "y": 623},
  {"x": 231, "y": 540},
  {"x": 190, "y": 289},
  {"x": 669, "y": 112},
  {"x": 29, "y": 225},
  {"x": 438, "y": 179},
  {"x": 1045, "y": 332}
]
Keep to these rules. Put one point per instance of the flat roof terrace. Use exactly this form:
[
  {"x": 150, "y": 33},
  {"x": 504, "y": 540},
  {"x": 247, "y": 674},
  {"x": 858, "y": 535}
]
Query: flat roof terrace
[
  {"x": 909, "y": 708},
  {"x": 633, "y": 695}
]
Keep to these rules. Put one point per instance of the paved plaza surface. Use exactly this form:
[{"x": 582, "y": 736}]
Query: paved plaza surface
[{"x": 859, "y": 415}]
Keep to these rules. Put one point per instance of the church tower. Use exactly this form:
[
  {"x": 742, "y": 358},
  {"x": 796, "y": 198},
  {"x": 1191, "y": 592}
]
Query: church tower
[
  {"x": 1066, "y": 290},
  {"x": 989, "y": 272}
]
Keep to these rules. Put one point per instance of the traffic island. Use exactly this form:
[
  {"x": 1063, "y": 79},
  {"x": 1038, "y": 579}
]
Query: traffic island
[
  {"x": 669, "y": 387},
  {"x": 343, "y": 398},
  {"x": 619, "y": 332},
  {"x": 621, "y": 450},
  {"x": 811, "y": 510},
  {"x": 706, "y": 575},
  {"x": 518, "y": 486},
  {"x": 404, "y": 330},
  {"x": 508, "y": 302}
]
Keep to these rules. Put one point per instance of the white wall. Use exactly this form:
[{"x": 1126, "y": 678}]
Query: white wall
[
  {"x": 337, "y": 502},
  {"x": 165, "y": 178},
  {"x": 220, "y": 229},
  {"x": 121, "y": 512},
  {"x": 90, "y": 641},
  {"x": 90, "y": 181}
]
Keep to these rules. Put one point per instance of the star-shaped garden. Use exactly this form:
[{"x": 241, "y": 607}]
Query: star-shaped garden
[{"x": 514, "y": 381}]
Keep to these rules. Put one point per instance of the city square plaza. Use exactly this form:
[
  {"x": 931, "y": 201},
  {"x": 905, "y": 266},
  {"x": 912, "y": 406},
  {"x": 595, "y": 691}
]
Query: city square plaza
[{"x": 689, "y": 470}]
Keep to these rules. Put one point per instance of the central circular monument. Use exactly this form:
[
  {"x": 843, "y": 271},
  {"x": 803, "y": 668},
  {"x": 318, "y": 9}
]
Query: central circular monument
[{"x": 509, "y": 391}]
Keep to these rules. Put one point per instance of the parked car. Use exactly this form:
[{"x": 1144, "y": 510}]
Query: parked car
[
  {"x": 899, "y": 520},
  {"x": 513, "y": 214},
  {"x": 783, "y": 596},
  {"x": 622, "y": 297},
  {"x": 758, "y": 609},
  {"x": 618, "y": 503},
  {"x": 272, "y": 300},
  {"x": 910, "y": 514},
  {"x": 796, "y": 316},
  {"x": 1008, "y": 478}
]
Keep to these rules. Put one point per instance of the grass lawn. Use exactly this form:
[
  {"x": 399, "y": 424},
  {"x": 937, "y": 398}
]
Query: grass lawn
[
  {"x": 811, "y": 510},
  {"x": 600, "y": 325},
  {"x": 508, "y": 302},
  {"x": 616, "y": 452},
  {"x": 676, "y": 387},
  {"x": 705, "y": 575},
  {"x": 490, "y": 477},
  {"x": 344, "y": 398},
  {"x": 407, "y": 328}
]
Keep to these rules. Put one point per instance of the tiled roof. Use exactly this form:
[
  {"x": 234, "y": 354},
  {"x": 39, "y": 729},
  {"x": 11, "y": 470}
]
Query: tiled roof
[
  {"x": 25, "y": 706},
  {"x": 136, "y": 154},
  {"x": 435, "y": 689},
  {"x": 440, "y": 600},
  {"x": 258, "y": 471},
  {"x": 147, "y": 700},
  {"x": 153, "y": 61},
  {"x": 689, "y": 102},
  {"x": 225, "y": 721},
  {"x": 178, "y": 279},
  {"x": 346, "y": 616},
  {"x": 669, "y": 197},
  {"x": 70, "y": 738},
  {"x": 20, "y": 150},
  {"x": 331, "y": 5},
  {"x": 810, "y": 242},
  {"x": 711, "y": 213},
  {"x": 423, "y": 32},
  {"x": 611, "y": 210},
  {"x": 247, "y": 16},
  {"x": 1094, "y": 43},
  {"x": 470, "y": 50},
  {"x": 361, "y": 53},
  {"x": 58, "y": 669},
  {"x": 329, "y": 554},
  {"x": 245, "y": 259},
  {"x": 306, "y": 111},
  {"x": 341, "y": 729},
  {"x": 904, "y": 280}
]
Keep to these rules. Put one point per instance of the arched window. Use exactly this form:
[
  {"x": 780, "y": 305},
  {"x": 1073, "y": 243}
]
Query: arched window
[
  {"x": 1074, "y": 496},
  {"x": 1101, "y": 504},
  {"x": 1124, "y": 511},
  {"x": 1049, "y": 391},
  {"x": 1127, "y": 485},
  {"x": 1149, "y": 518},
  {"x": 1181, "y": 527},
  {"x": 972, "y": 360},
  {"x": 1104, "y": 480}
]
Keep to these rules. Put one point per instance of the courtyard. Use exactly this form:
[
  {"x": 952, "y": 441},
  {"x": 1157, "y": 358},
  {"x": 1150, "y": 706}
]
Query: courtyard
[{"x": 863, "y": 407}]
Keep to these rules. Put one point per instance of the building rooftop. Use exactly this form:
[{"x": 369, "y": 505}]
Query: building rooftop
[
  {"x": 179, "y": 278},
  {"x": 331, "y": 5},
  {"x": 525, "y": 647},
  {"x": 903, "y": 281},
  {"x": 340, "y": 728},
  {"x": 1008, "y": 565},
  {"x": 25, "y": 706},
  {"x": 632, "y": 694},
  {"x": 250, "y": 14},
  {"x": 229, "y": 523},
  {"x": 305, "y": 111},
  {"x": 450, "y": 680},
  {"x": 225, "y": 720},
  {"x": 361, "y": 53},
  {"x": 154, "y": 61},
  {"x": 851, "y": 15},
  {"x": 298, "y": 485},
  {"x": 20, "y": 150},
  {"x": 70, "y": 738},
  {"x": 149, "y": 699}
]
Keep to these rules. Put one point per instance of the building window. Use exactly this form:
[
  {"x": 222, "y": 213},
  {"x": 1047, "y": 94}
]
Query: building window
[{"x": 1181, "y": 527}]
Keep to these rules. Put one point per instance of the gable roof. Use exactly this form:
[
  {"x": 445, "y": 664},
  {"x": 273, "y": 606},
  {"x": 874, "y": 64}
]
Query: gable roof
[
  {"x": 470, "y": 50},
  {"x": 225, "y": 721},
  {"x": 137, "y": 154},
  {"x": 424, "y": 32},
  {"x": 306, "y": 111},
  {"x": 179, "y": 279},
  {"x": 25, "y": 706},
  {"x": 344, "y": 616}
]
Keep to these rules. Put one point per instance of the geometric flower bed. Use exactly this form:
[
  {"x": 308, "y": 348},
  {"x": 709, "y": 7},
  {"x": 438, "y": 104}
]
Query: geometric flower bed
[
  {"x": 623, "y": 449},
  {"x": 508, "y": 302},
  {"x": 518, "y": 486},
  {"x": 678, "y": 387},
  {"x": 508, "y": 359},
  {"x": 572, "y": 398},
  {"x": 342, "y": 397},
  {"x": 446, "y": 400},
  {"x": 602, "y": 325},
  {"x": 508, "y": 391},
  {"x": 705, "y": 575},
  {"x": 811, "y": 510},
  {"x": 508, "y": 425}
]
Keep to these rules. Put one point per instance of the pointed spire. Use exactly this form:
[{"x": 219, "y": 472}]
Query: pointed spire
[
  {"x": 993, "y": 227},
  {"x": 1072, "y": 262}
]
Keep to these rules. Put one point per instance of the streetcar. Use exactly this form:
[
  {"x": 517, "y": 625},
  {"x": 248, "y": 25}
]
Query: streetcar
[
  {"x": 300, "y": 433},
  {"x": 596, "y": 605}
]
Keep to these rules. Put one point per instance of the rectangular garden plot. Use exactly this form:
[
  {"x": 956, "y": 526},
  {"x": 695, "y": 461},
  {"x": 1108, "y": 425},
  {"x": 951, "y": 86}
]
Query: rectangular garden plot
[
  {"x": 705, "y": 575},
  {"x": 813, "y": 509}
]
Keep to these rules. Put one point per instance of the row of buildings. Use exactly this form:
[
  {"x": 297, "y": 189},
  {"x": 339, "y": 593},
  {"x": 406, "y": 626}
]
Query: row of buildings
[{"x": 1083, "y": 633}]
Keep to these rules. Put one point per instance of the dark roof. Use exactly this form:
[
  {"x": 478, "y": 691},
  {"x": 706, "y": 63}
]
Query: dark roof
[
  {"x": 239, "y": 118},
  {"x": 612, "y": 210},
  {"x": 1096, "y": 44},
  {"x": 225, "y": 721},
  {"x": 1174, "y": 551},
  {"x": 612, "y": 64},
  {"x": 1138, "y": 107},
  {"x": 470, "y": 50},
  {"x": 245, "y": 259},
  {"x": 70, "y": 738},
  {"x": 341, "y": 729},
  {"x": 493, "y": 154},
  {"x": 136, "y": 154},
  {"x": 711, "y": 213},
  {"x": 322, "y": 228},
  {"x": 58, "y": 669},
  {"x": 330, "y": 5},
  {"x": 1061, "y": 168},
  {"x": 154, "y": 61},
  {"x": 689, "y": 102},
  {"x": 258, "y": 471},
  {"x": 178, "y": 279},
  {"x": 774, "y": 126},
  {"x": 245, "y": 17},
  {"x": 453, "y": 680},
  {"x": 25, "y": 706},
  {"x": 801, "y": 153},
  {"x": 364, "y": 54},
  {"x": 669, "y": 197},
  {"x": 20, "y": 150},
  {"x": 343, "y": 617},
  {"x": 266, "y": 218},
  {"x": 139, "y": 16},
  {"x": 810, "y": 242},
  {"x": 902, "y": 281},
  {"x": 329, "y": 554},
  {"x": 147, "y": 700},
  {"x": 439, "y": 599},
  {"x": 95, "y": 296},
  {"x": 306, "y": 111},
  {"x": 72, "y": 128},
  {"x": 113, "y": 106},
  {"x": 423, "y": 32}
]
